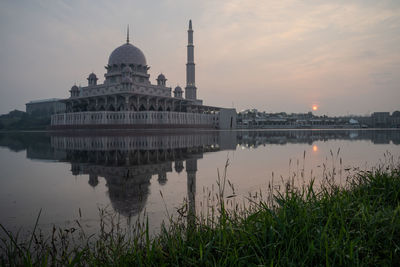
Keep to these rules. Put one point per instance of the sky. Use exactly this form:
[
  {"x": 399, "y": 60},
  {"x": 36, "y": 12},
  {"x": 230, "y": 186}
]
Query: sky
[{"x": 275, "y": 56}]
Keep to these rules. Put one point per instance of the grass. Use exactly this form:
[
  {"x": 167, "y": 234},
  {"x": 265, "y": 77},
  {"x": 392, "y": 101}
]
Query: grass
[{"x": 355, "y": 224}]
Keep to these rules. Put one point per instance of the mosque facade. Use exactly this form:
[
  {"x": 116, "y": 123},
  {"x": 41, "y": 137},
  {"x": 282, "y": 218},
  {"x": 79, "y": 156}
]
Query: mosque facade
[{"x": 128, "y": 99}]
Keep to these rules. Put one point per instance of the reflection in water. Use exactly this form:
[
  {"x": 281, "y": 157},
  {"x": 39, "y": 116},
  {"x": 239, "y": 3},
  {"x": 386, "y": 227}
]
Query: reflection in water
[
  {"x": 255, "y": 138},
  {"x": 128, "y": 161},
  {"x": 315, "y": 148}
]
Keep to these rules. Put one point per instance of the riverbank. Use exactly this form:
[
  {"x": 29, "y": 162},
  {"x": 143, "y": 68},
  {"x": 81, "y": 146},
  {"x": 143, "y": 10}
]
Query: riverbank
[{"x": 358, "y": 224}]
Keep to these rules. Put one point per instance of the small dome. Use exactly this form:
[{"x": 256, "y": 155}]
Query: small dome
[
  {"x": 74, "y": 88},
  {"x": 179, "y": 166},
  {"x": 161, "y": 77},
  {"x": 126, "y": 80},
  {"x": 178, "y": 89},
  {"x": 127, "y": 54},
  {"x": 92, "y": 76},
  {"x": 127, "y": 69}
]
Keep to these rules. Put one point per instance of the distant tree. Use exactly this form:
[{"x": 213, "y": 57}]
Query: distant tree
[
  {"x": 19, "y": 120},
  {"x": 16, "y": 113}
]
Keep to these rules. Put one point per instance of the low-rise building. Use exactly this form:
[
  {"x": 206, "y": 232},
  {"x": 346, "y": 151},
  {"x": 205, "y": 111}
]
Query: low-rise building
[
  {"x": 380, "y": 119},
  {"x": 45, "y": 107}
]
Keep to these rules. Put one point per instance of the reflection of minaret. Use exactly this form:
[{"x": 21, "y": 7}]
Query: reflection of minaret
[
  {"x": 191, "y": 169},
  {"x": 190, "y": 90}
]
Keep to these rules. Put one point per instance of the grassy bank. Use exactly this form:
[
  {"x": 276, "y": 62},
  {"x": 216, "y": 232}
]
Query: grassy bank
[{"x": 358, "y": 224}]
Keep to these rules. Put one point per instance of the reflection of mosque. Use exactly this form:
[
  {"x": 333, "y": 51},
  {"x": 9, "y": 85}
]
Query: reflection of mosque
[{"x": 128, "y": 163}]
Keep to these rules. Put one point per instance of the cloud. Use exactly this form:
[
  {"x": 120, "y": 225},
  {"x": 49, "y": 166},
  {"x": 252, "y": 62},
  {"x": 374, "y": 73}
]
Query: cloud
[{"x": 265, "y": 54}]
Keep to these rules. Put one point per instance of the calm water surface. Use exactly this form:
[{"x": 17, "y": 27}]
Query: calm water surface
[{"x": 126, "y": 171}]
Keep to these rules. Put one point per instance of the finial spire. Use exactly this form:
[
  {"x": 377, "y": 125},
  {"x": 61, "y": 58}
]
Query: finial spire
[
  {"x": 190, "y": 24},
  {"x": 127, "y": 35}
]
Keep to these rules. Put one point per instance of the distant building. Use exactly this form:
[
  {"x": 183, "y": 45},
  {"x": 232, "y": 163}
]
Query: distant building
[
  {"x": 45, "y": 107},
  {"x": 395, "y": 119},
  {"x": 380, "y": 119},
  {"x": 127, "y": 98}
]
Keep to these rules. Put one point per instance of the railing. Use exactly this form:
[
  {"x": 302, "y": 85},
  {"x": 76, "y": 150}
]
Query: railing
[{"x": 132, "y": 118}]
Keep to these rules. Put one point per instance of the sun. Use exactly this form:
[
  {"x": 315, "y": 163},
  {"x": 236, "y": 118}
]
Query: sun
[
  {"x": 314, "y": 107},
  {"x": 315, "y": 148}
]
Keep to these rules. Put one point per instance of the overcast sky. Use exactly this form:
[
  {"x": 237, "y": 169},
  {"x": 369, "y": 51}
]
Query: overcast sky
[{"x": 283, "y": 55}]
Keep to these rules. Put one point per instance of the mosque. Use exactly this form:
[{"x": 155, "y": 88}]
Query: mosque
[{"x": 128, "y": 99}]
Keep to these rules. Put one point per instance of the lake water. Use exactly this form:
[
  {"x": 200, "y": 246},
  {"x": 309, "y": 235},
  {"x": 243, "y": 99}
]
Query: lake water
[{"x": 134, "y": 173}]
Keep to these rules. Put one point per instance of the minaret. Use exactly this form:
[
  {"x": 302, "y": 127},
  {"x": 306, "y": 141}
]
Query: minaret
[{"x": 190, "y": 90}]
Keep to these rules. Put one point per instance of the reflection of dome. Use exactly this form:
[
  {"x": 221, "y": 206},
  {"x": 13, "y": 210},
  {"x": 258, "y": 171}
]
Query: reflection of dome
[
  {"x": 93, "y": 180},
  {"x": 127, "y": 54},
  {"x": 162, "y": 178},
  {"x": 75, "y": 169},
  {"x": 128, "y": 195},
  {"x": 179, "y": 166}
]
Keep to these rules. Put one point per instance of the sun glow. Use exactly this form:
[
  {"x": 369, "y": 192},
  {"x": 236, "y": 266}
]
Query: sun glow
[
  {"x": 315, "y": 148},
  {"x": 314, "y": 107}
]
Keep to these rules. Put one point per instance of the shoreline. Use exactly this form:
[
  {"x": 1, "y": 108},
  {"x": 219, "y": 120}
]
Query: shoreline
[{"x": 192, "y": 130}]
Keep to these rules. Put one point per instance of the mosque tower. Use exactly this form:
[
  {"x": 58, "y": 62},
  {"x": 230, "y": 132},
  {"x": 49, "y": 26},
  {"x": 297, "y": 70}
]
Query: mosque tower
[{"x": 190, "y": 90}]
